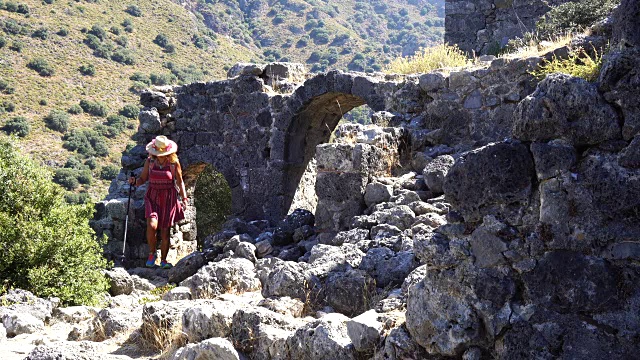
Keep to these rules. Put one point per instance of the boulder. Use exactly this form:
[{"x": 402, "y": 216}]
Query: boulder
[
  {"x": 75, "y": 314},
  {"x": 326, "y": 258},
  {"x": 162, "y": 322},
  {"x": 186, "y": 267},
  {"x": 246, "y": 69},
  {"x": 398, "y": 345},
  {"x": 24, "y": 302},
  {"x": 494, "y": 179},
  {"x": 227, "y": 275},
  {"x": 566, "y": 107},
  {"x": 348, "y": 237},
  {"x": 376, "y": 193},
  {"x": 388, "y": 267},
  {"x": 178, "y": 293},
  {"x": 149, "y": 119},
  {"x": 214, "y": 348},
  {"x": 207, "y": 320},
  {"x": 284, "y": 305},
  {"x": 350, "y": 292},
  {"x": 111, "y": 322},
  {"x": 21, "y": 323},
  {"x": 626, "y": 29},
  {"x": 435, "y": 171},
  {"x": 285, "y": 278},
  {"x": 325, "y": 338},
  {"x": 552, "y": 158},
  {"x": 120, "y": 282},
  {"x": 246, "y": 251},
  {"x": 365, "y": 331}
]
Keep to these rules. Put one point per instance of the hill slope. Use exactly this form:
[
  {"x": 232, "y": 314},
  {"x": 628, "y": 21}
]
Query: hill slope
[{"x": 60, "y": 34}]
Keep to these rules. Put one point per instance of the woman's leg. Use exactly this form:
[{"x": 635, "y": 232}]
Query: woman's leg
[
  {"x": 152, "y": 226},
  {"x": 164, "y": 245}
]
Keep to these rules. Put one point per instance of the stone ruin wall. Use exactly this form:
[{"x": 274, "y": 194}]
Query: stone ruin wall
[
  {"x": 262, "y": 141},
  {"x": 485, "y": 26}
]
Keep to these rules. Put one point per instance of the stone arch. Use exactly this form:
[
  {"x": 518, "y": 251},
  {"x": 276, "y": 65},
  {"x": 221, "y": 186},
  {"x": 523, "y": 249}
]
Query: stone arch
[{"x": 318, "y": 105}]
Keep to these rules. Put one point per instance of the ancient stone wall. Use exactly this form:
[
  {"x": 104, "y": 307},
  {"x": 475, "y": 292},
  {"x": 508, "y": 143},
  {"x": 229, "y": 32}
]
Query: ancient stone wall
[{"x": 484, "y": 26}]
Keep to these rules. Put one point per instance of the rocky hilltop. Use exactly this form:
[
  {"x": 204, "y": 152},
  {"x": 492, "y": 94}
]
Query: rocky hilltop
[{"x": 486, "y": 215}]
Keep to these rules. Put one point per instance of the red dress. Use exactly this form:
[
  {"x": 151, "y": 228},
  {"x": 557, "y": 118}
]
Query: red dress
[{"x": 161, "y": 199}]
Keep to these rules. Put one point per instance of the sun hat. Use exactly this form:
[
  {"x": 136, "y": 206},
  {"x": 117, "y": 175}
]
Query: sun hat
[{"x": 161, "y": 146}]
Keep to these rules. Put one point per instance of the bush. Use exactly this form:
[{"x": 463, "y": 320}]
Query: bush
[
  {"x": 47, "y": 245},
  {"x": 130, "y": 111},
  {"x": 16, "y": 46},
  {"x": 199, "y": 41},
  {"x": 3, "y": 42},
  {"x": 43, "y": 102},
  {"x": 63, "y": 32},
  {"x": 41, "y": 66},
  {"x": 161, "y": 40},
  {"x": 91, "y": 163},
  {"x": 162, "y": 79},
  {"x": 7, "y": 106},
  {"x": 74, "y": 163},
  {"x": 122, "y": 41},
  {"x": 138, "y": 76},
  {"x": 429, "y": 59},
  {"x": 134, "y": 10},
  {"x": 94, "y": 108},
  {"x": 66, "y": 178},
  {"x": 77, "y": 199},
  {"x": 86, "y": 142},
  {"x": 57, "y": 120},
  {"x": 41, "y": 33},
  {"x": 87, "y": 69},
  {"x": 109, "y": 172},
  {"x": 115, "y": 30},
  {"x": 578, "y": 64},
  {"x": 23, "y": 9},
  {"x": 85, "y": 177},
  {"x": 75, "y": 109},
  {"x": 124, "y": 56},
  {"x": 92, "y": 41},
  {"x": 170, "y": 48},
  {"x": 573, "y": 17},
  {"x": 98, "y": 31},
  {"x": 17, "y": 126}
]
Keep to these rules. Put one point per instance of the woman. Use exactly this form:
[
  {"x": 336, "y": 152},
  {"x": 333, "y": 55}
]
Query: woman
[{"x": 161, "y": 206}]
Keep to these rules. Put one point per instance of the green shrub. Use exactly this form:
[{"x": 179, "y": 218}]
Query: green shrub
[
  {"x": 75, "y": 109},
  {"x": 11, "y": 6},
  {"x": 43, "y": 102},
  {"x": 85, "y": 177},
  {"x": 128, "y": 28},
  {"x": 63, "y": 32},
  {"x": 23, "y": 9},
  {"x": 86, "y": 142},
  {"x": 573, "y": 17},
  {"x": 117, "y": 121},
  {"x": 87, "y": 69},
  {"x": 41, "y": 33},
  {"x": 66, "y": 178},
  {"x": 124, "y": 56},
  {"x": 109, "y": 172},
  {"x": 170, "y": 48},
  {"x": 7, "y": 106},
  {"x": 578, "y": 64},
  {"x": 122, "y": 41},
  {"x": 74, "y": 163},
  {"x": 94, "y": 108},
  {"x": 213, "y": 200},
  {"x": 57, "y": 120},
  {"x": 91, "y": 163},
  {"x": 162, "y": 79},
  {"x": 115, "y": 30},
  {"x": 17, "y": 126},
  {"x": 98, "y": 31},
  {"x": 41, "y": 66},
  {"x": 134, "y": 10},
  {"x": 10, "y": 26},
  {"x": 92, "y": 41},
  {"x": 77, "y": 198},
  {"x": 104, "y": 51},
  {"x": 198, "y": 41},
  {"x": 138, "y": 76},
  {"x": 3, "y": 42},
  {"x": 161, "y": 40},
  {"x": 16, "y": 46},
  {"x": 47, "y": 245},
  {"x": 49, "y": 1},
  {"x": 130, "y": 111}
]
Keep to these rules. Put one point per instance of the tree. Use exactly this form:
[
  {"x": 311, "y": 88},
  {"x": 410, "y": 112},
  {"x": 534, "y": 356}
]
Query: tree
[{"x": 48, "y": 246}]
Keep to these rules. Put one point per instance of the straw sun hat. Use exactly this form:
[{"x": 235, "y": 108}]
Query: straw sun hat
[{"x": 161, "y": 146}]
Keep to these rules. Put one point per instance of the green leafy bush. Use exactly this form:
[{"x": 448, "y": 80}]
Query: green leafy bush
[
  {"x": 5, "y": 88},
  {"x": 43, "y": 102},
  {"x": 161, "y": 40},
  {"x": 87, "y": 69},
  {"x": 41, "y": 66},
  {"x": 578, "y": 64},
  {"x": 75, "y": 109},
  {"x": 109, "y": 172},
  {"x": 122, "y": 41},
  {"x": 94, "y": 108},
  {"x": 98, "y": 31},
  {"x": 134, "y": 10},
  {"x": 162, "y": 79},
  {"x": 85, "y": 177},
  {"x": 17, "y": 126},
  {"x": 74, "y": 163},
  {"x": 47, "y": 245},
  {"x": 3, "y": 42},
  {"x": 57, "y": 120},
  {"x": 41, "y": 33},
  {"x": 86, "y": 142},
  {"x": 63, "y": 32},
  {"x": 7, "y": 106},
  {"x": 91, "y": 163},
  {"x": 573, "y": 17},
  {"x": 140, "y": 77},
  {"x": 124, "y": 56},
  {"x": 67, "y": 178},
  {"x": 77, "y": 198},
  {"x": 92, "y": 41},
  {"x": 130, "y": 111},
  {"x": 16, "y": 46}
]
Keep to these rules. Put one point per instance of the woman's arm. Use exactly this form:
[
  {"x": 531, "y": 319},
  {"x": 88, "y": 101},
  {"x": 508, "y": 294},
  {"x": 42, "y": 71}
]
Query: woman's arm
[
  {"x": 143, "y": 176},
  {"x": 180, "y": 182}
]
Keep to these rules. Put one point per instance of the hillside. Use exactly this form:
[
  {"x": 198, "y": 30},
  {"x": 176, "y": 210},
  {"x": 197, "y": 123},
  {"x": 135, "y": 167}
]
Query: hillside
[
  {"x": 60, "y": 34},
  {"x": 354, "y": 34}
]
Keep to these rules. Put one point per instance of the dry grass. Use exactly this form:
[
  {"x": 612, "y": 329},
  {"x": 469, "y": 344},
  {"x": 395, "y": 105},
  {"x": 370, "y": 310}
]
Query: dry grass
[
  {"x": 534, "y": 47},
  {"x": 578, "y": 64},
  {"x": 438, "y": 57},
  {"x": 162, "y": 337}
]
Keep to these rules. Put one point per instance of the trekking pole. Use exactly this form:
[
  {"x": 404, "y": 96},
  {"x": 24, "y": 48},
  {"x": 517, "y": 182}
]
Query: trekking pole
[{"x": 126, "y": 219}]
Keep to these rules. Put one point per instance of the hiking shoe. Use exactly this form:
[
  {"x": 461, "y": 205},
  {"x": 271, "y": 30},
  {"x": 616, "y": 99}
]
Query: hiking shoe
[
  {"x": 165, "y": 265},
  {"x": 151, "y": 260}
]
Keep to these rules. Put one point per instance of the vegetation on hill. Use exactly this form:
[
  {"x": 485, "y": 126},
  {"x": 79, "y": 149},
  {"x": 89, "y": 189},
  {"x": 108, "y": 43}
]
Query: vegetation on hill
[
  {"x": 70, "y": 73},
  {"x": 47, "y": 245},
  {"x": 344, "y": 34}
]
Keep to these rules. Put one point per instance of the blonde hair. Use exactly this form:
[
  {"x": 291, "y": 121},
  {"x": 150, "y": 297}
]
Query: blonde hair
[{"x": 172, "y": 158}]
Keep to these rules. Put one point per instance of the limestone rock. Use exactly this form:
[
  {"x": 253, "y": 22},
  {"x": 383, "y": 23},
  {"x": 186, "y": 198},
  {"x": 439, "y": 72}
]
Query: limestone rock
[
  {"x": 399, "y": 345},
  {"x": 365, "y": 331},
  {"x": 387, "y": 267},
  {"x": 246, "y": 69},
  {"x": 211, "y": 319},
  {"x": 435, "y": 172},
  {"x": 111, "y": 322},
  {"x": 178, "y": 293},
  {"x": 503, "y": 171},
  {"x": 552, "y": 158},
  {"x": 228, "y": 275},
  {"x": 327, "y": 258},
  {"x": 285, "y": 278},
  {"x": 186, "y": 267},
  {"x": 214, "y": 348},
  {"x": 246, "y": 251},
  {"x": 161, "y": 321},
  {"x": 625, "y": 29},
  {"x": 21, "y": 323},
  {"x": 566, "y": 107},
  {"x": 262, "y": 333},
  {"x": 84, "y": 350},
  {"x": 376, "y": 193},
  {"x": 284, "y": 305},
  {"x": 149, "y": 119},
  {"x": 325, "y": 338},
  {"x": 75, "y": 314},
  {"x": 120, "y": 282},
  {"x": 349, "y": 292}
]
